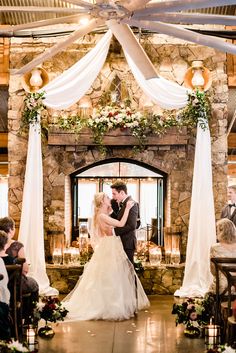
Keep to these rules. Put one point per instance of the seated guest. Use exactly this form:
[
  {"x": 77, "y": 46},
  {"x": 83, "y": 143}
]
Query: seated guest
[
  {"x": 4, "y": 304},
  {"x": 226, "y": 247},
  {"x": 8, "y": 260},
  {"x": 15, "y": 249}
]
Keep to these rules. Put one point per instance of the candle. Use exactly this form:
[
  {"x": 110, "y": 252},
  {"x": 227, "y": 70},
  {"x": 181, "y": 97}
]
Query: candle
[
  {"x": 175, "y": 257},
  {"x": 56, "y": 256},
  {"x": 167, "y": 256},
  {"x": 212, "y": 334},
  {"x": 30, "y": 336}
]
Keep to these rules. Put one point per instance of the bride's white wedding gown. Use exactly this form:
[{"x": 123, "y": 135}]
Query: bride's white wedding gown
[{"x": 106, "y": 289}]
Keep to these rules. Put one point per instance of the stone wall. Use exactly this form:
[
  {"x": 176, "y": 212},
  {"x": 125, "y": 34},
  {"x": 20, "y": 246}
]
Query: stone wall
[
  {"x": 165, "y": 279},
  {"x": 171, "y": 59}
]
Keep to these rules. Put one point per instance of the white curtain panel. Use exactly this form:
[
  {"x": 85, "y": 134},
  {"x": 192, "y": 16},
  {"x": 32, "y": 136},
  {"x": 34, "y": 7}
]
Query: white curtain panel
[
  {"x": 73, "y": 84},
  {"x": 3, "y": 197},
  {"x": 31, "y": 232},
  {"x": 167, "y": 94},
  {"x": 202, "y": 232}
]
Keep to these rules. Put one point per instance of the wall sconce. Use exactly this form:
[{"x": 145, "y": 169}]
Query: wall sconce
[
  {"x": 198, "y": 77},
  {"x": 35, "y": 80},
  {"x": 212, "y": 336}
]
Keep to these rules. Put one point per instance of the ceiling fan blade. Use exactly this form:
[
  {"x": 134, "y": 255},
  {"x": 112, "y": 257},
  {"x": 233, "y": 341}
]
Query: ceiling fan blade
[
  {"x": 135, "y": 4},
  {"x": 42, "y": 9},
  {"x": 130, "y": 44},
  {"x": 175, "y": 31},
  {"x": 80, "y": 3},
  {"x": 196, "y": 18},
  {"x": 36, "y": 24},
  {"x": 180, "y": 5},
  {"x": 84, "y": 29}
]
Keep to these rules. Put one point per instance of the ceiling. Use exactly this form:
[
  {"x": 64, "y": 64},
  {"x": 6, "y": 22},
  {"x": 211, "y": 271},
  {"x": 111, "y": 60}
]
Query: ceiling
[{"x": 58, "y": 8}]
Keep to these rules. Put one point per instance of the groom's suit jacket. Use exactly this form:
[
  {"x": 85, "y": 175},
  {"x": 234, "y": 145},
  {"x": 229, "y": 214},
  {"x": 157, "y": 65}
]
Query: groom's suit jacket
[
  {"x": 127, "y": 233},
  {"x": 226, "y": 213}
]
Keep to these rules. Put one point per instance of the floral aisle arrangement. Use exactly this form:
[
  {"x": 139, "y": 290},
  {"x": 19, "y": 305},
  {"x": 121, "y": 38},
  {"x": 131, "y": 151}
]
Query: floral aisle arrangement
[
  {"x": 49, "y": 309},
  {"x": 194, "y": 313}
]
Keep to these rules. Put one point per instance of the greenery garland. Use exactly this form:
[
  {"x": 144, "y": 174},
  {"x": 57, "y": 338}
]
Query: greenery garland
[{"x": 110, "y": 117}]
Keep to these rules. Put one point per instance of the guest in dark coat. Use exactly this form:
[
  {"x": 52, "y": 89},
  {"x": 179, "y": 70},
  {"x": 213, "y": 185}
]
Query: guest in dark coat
[{"x": 229, "y": 210}]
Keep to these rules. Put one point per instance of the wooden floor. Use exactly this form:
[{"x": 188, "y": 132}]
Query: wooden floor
[{"x": 153, "y": 331}]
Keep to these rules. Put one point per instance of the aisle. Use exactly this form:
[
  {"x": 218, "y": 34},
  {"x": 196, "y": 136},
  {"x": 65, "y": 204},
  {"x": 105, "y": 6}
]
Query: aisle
[{"x": 153, "y": 331}]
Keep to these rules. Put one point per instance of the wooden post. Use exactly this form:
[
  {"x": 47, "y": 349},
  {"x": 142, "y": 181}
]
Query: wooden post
[{"x": 4, "y": 61}]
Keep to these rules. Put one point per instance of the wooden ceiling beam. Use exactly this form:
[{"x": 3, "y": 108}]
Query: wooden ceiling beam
[
  {"x": 4, "y": 61},
  {"x": 41, "y": 9},
  {"x": 3, "y": 139},
  {"x": 231, "y": 62},
  {"x": 3, "y": 169},
  {"x": 3, "y": 157},
  {"x": 232, "y": 140},
  {"x": 232, "y": 158}
]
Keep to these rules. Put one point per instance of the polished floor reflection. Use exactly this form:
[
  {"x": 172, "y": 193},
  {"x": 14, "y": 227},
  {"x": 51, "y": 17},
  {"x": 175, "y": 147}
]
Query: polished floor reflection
[{"x": 152, "y": 331}]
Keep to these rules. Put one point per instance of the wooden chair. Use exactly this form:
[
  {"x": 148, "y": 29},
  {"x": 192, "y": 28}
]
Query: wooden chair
[
  {"x": 227, "y": 266},
  {"x": 15, "y": 287},
  {"x": 231, "y": 332}
]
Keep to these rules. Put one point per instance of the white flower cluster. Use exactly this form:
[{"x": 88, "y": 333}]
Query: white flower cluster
[
  {"x": 110, "y": 117},
  {"x": 13, "y": 346}
]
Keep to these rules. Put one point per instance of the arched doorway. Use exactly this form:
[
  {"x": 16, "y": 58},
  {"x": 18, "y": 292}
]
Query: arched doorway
[{"x": 145, "y": 184}]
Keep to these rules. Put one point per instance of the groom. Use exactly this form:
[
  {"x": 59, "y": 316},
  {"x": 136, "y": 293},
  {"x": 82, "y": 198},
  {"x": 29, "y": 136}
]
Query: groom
[{"x": 126, "y": 233}]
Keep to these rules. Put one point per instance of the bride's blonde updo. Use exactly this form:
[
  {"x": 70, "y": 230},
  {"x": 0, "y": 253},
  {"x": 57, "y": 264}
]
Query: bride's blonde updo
[{"x": 98, "y": 201}]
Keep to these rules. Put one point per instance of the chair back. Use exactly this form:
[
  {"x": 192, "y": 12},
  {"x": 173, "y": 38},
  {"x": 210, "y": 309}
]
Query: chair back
[
  {"x": 15, "y": 287},
  {"x": 227, "y": 266}
]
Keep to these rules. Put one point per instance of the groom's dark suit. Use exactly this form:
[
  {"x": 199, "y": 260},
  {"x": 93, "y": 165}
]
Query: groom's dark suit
[
  {"x": 127, "y": 233},
  {"x": 226, "y": 213}
]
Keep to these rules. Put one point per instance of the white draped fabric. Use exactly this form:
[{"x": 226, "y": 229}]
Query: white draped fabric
[
  {"x": 31, "y": 232},
  {"x": 167, "y": 94},
  {"x": 202, "y": 232},
  {"x": 3, "y": 197},
  {"x": 70, "y": 86},
  {"x": 73, "y": 84}
]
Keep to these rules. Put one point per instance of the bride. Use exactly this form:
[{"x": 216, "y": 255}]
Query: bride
[{"x": 109, "y": 288}]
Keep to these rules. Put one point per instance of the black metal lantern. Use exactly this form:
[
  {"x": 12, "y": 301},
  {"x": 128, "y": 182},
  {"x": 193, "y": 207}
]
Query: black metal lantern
[
  {"x": 212, "y": 336},
  {"x": 30, "y": 334}
]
